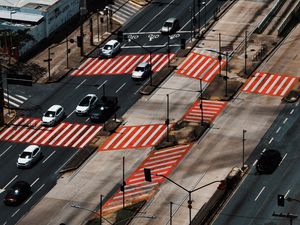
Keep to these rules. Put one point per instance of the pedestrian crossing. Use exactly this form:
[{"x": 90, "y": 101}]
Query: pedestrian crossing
[
  {"x": 135, "y": 137},
  {"x": 123, "y": 10},
  {"x": 30, "y": 130},
  {"x": 14, "y": 100},
  {"x": 269, "y": 84},
  {"x": 211, "y": 109},
  {"x": 162, "y": 162},
  {"x": 200, "y": 66},
  {"x": 121, "y": 64}
]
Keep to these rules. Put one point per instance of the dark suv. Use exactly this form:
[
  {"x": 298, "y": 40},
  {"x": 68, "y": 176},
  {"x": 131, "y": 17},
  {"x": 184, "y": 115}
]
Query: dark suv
[
  {"x": 268, "y": 161},
  {"x": 18, "y": 193},
  {"x": 104, "y": 109}
]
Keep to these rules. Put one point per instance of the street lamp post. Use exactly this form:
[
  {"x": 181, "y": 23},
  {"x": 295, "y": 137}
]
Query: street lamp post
[
  {"x": 201, "y": 103},
  {"x": 188, "y": 191},
  {"x": 11, "y": 41},
  {"x": 244, "y": 131},
  {"x": 167, "y": 120}
]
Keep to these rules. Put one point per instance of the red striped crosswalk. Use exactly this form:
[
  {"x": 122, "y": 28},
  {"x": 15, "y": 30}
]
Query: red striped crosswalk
[
  {"x": 135, "y": 137},
  {"x": 161, "y": 162},
  {"x": 122, "y": 64},
  {"x": 211, "y": 109},
  {"x": 200, "y": 66},
  {"x": 269, "y": 84},
  {"x": 31, "y": 131}
]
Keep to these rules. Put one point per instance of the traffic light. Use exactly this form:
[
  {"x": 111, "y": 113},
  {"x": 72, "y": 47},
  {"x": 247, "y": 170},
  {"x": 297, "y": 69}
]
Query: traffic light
[
  {"x": 79, "y": 41},
  {"x": 147, "y": 173},
  {"x": 120, "y": 36},
  {"x": 280, "y": 200}
]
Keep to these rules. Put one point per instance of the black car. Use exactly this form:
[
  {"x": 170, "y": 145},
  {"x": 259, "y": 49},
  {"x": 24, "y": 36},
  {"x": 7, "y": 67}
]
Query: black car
[
  {"x": 104, "y": 109},
  {"x": 268, "y": 161},
  {"x": 18, "y": 193}
]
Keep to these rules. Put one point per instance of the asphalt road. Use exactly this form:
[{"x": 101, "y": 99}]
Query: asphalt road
[
  {"x": 256, "y": 198},
  {"x": 70, "y": 90}
]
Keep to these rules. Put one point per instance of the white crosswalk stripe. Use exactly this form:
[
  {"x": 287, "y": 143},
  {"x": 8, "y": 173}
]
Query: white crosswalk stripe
[
  {"x": 14, "y": 100},
  {"x": 123, "y": 10}
]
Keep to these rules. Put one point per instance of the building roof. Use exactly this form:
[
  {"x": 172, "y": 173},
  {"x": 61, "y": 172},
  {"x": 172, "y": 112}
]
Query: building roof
[
  {"x": 20, "y": 16},
  {"x": 21, "y": 3}
]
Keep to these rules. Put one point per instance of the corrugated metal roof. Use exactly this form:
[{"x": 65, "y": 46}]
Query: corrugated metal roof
[
  {"x": 20, "y": 16},
  {"x": 21, "y": 3}
]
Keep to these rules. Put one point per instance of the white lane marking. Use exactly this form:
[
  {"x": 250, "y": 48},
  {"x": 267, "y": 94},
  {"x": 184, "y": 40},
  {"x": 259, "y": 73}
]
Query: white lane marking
[
  {"x": 87, "y": 119},
  {"x": 36, "y": 180},
  {"x": 292, "y": 111},
  {"x": 254, "y": 162},
  {"x": 120, "y": 87},
  {"x": 34, "y": 193},
  {"x": 153, "y": 18},
  {"x": 286, "y": 194},
  {"x": 285, "y": 120},
  {"x": 15, "y": 213},
  {"x": 137, "y": 91},
  {"x": 102, "y": 84},
  {"x": 260, "y": 193},
  {"x": 48, "y": 156},
  {"x": 70, "y": 114},
  {"x": 22, "y": 97},
  {"x": 271, "y": 140},
  {"x": 65, "y": 162},
  {"x": 10, "y": 181},
  {"x": 297, "y": 104},
  {"x": 264, "y": 150},
  {"x": 150, "y": 46},
  {"x": 80, "y": 84},
  {"x": 283, "y": 159},
  {"x": 278, "y": 130},
  {"x": 5, "y": 150}
]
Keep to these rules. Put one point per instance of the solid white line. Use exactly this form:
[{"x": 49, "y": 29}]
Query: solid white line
[
  {"x": 278, "y": 130},
  {"x": 285, "y": 120},
  {"x": 102, "y": 84},
  {"x": 80, "y": 84},
  {"x": 292, "y": 111},
  {"x": 271, "y": 140},
  {"x": 48, "y": 156},
  {"x": 138, "y": 89},
  {"x": 150, "y": 46},
  {"x": 70, "y": 114},
  {"x": 5, "y": 150},
  {"x": 260, "y": 193},
  {"x": 286, "y": 194},
  {"x": 36, "y": 180},
  {"x": 65, "y": 162},
  {"x": 15, "y": 213},
  {"x": 10, "y": 182},
  {"x": 283, "y": 159},
  {"x": 120, "y": 88}
]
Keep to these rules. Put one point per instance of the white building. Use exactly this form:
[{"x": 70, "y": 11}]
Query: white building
[{"x": 42, "y": 17}]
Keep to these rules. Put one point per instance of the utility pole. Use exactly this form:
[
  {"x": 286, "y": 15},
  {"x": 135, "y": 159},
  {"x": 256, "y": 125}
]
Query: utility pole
[
  {"x": 226, "y": 76},
  {"x": 167, "y": 120},
  {"x": 1, "y": 98},
  {"x": 201, "y": 103},
  {"x": 244, "y": 131},
  {"x": 245, "y": 69},
  {"x": 220, "y": 56}
]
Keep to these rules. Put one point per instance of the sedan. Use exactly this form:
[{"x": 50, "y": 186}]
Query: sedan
[
  {"x": 268, "y": 161},
  {"x": 86, "y": 104},
  {"x": 170, "y": 26},
  {"x": 17, "y": 194},
  {"x": 142, "y": 71},
  {"x": 31, "y": 155},
  {"x": 106, "y": 107},
  {"x": 53, "y": 115},
  {"x": 110, "y": 49}
]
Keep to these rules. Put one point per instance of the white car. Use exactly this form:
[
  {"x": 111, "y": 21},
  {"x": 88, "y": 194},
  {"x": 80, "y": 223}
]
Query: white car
[
  {"x": 53, "y": 115},
  {"x": 86, "y": 104},
  {"x": 29, "y": 156},
  {"x": 170, "y": 26},
  {"x": 110, "y": 49},
  {"x": 142, "y": 71}
]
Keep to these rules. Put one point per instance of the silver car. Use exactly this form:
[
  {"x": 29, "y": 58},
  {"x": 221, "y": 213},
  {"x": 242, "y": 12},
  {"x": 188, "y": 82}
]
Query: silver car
[
  {"x": 142, "y": 71},
  {"x": 53, "y": 115},
  {"x": 170, "y": 26},
  {"x": 110, "y": 49},
  {"x": 29, "y": 156},
  {"x": 86, "y": 104}
]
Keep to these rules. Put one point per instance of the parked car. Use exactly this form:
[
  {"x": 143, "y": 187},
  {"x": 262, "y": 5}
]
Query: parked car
[
  {"x": 110, "y": 49},
  {"x": 170, "y": 26},
  {"x": 53, "y": 115},
  {"x": 31, "y": 155},
  {"x": 142, "y": 71},
  {"x": 86, "y": 104},
  {"x": 104, "y": 109},
  {"x": 268, "y": 161},
  {"x": 18, "y": 193}
]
